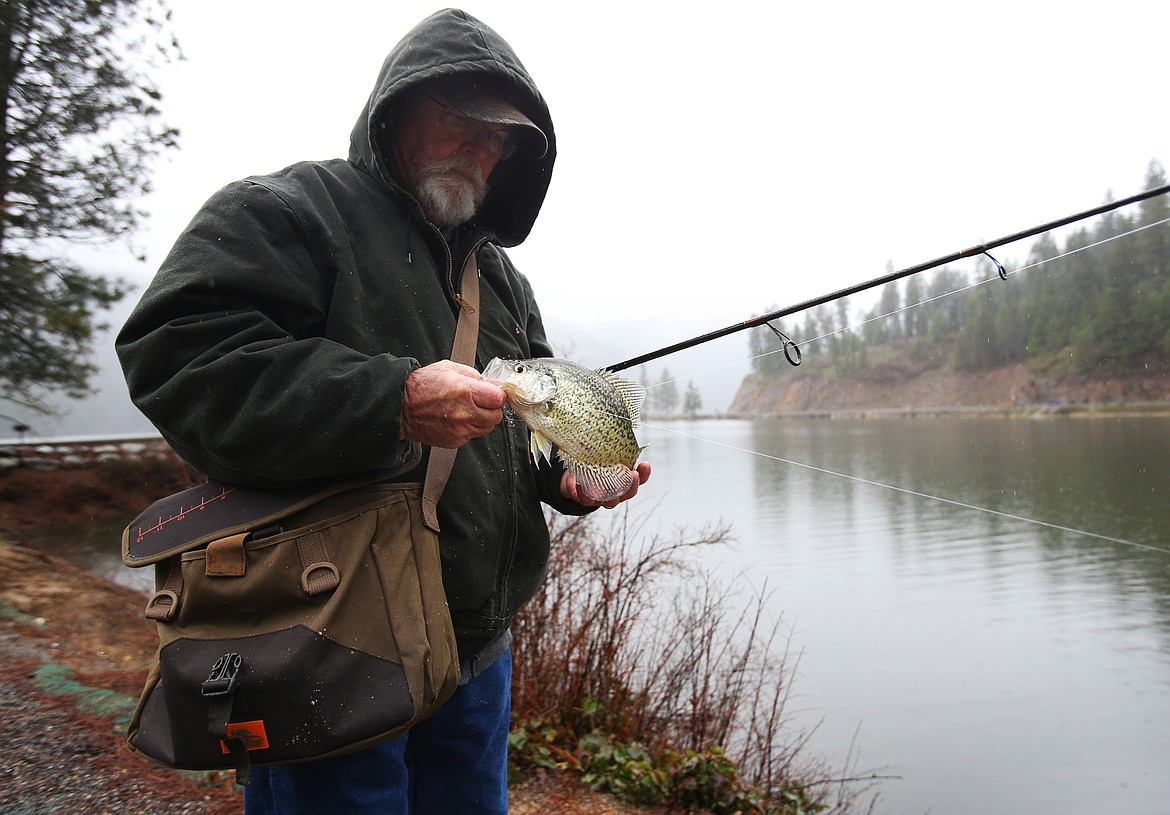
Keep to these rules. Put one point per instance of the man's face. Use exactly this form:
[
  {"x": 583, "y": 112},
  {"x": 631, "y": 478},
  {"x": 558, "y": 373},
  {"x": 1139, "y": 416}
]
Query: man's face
[{"x": 444, "y": 158}]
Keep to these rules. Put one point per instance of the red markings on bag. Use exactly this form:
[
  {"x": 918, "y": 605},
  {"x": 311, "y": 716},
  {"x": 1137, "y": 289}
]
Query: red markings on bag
[
  {"x": 250, "y": 733},
  {"x": 183, "y": 511}
]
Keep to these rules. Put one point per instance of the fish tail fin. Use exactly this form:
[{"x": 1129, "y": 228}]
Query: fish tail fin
[{"x": 602, "y": 483}]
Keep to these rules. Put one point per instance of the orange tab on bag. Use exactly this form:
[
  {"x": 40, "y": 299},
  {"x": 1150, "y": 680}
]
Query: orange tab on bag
[{"x": 252, "y": 734}]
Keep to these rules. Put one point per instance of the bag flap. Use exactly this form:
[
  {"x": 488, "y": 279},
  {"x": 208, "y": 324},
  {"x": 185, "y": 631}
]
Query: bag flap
[{"x": 197, "y": 516}]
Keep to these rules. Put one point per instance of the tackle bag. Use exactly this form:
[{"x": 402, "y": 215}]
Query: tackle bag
[{"x": 293, "y": 624}]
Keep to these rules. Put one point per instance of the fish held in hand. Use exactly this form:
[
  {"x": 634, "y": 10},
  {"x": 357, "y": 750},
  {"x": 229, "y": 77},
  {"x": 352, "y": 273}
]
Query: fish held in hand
[{"x": 589, "y": 416}]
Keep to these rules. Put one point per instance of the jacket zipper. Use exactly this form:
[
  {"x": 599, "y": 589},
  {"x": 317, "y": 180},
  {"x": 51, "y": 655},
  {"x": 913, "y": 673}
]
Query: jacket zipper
[{"x": 451, "y": 281}]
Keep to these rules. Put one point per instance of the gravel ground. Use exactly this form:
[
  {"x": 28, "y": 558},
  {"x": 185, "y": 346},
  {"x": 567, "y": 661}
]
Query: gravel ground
[{"x": 59, "y": 758}]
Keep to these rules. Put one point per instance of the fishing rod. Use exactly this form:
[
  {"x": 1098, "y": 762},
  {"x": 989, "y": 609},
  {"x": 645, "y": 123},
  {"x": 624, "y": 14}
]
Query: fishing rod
[{"x": 791, "y": 348}]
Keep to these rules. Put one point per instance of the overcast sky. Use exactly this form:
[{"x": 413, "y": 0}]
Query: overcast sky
[
  {"x": 715, "y": 162},
  {"x": 776, "y": 150}
]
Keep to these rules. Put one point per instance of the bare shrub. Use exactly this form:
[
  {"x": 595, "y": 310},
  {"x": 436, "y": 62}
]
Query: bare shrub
[{"x": 629, "y": 640}]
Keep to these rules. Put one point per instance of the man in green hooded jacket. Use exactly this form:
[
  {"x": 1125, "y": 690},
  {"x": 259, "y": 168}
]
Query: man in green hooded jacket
[{"x": 299, "y": 331}]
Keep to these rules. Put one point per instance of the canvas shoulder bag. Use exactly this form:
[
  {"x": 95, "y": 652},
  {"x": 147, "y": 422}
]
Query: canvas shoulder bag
[{"x": 295, "y": 624}]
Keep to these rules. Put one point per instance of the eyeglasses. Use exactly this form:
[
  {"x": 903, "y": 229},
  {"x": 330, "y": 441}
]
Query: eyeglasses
[{"x": 500, "y": 143}]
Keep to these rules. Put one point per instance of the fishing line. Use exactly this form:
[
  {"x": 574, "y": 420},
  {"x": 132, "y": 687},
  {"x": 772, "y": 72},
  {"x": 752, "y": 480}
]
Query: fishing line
[
  {"x": 980, "y": 249},
  {"x": 999, "y": 276},
  {"x": 1002, "y": 275},
  {"x": 905, "y": 490},
  {"x": 1010, "y": 516},
  {"x": 915, "y": 493}
]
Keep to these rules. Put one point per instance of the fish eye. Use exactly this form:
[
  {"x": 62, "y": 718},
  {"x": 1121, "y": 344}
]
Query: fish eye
[{"x": 521, "y": 368}]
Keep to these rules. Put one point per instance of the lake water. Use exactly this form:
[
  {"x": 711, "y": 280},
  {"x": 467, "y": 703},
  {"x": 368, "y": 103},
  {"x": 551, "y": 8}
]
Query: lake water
[{"x": 994, "y": 664}]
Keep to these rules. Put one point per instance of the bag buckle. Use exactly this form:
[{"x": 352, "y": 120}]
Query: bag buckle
[{"x": 225, "y": 675}]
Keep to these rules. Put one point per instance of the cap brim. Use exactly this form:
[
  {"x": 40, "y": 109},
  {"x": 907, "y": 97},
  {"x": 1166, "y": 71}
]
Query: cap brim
[{"x": 495, "y": 110}]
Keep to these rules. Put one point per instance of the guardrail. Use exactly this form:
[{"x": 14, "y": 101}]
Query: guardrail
[{"x": 79, "y": 453}]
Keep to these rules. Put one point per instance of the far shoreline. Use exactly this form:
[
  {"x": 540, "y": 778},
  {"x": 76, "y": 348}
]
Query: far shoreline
[{"x": 1112, "y": 410}]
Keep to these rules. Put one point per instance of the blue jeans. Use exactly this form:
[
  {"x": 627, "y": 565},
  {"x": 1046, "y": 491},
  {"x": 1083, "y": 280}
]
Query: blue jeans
[{"x": 454, "y": 762}]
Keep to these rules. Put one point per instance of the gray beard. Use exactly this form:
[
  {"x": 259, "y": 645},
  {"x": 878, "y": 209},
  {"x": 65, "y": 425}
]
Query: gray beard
[{"x": 449, "y": 199}]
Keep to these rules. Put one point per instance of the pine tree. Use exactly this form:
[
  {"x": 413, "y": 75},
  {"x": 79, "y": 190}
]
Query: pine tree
[
  {"x": 888, "y": 307},
  {"x": 79, "y": 124},
  {"x": 667, "y": 393},
  {"x": 912, "y": 325},
  {"x": 692, "y": 401},
  {"x": 810, "y": 342},
  {"x": 1152, "y": 258}
]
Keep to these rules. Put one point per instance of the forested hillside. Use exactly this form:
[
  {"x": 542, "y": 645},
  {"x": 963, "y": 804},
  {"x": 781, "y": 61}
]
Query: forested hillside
[{"x": 1096, "y": 302}]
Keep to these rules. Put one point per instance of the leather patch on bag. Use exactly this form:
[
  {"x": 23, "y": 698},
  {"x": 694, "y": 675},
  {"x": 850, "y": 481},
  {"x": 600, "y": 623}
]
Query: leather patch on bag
[{"x": 226, "y": 557}]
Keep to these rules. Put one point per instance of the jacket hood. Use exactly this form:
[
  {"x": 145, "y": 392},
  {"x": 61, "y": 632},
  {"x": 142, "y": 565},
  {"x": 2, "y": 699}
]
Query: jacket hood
[{"x": 453, "y": 45}]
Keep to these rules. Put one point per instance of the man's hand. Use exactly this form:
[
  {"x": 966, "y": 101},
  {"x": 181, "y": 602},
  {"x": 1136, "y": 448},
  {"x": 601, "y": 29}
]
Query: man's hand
[
  {"x": 570, "y": 490},
  {"x": 447, "y": 405}
]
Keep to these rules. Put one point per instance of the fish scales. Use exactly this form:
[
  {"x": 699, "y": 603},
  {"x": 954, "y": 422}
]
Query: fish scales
[{"x": 587, "y": 417}]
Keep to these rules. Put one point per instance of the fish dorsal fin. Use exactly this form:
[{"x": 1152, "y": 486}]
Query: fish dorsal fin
[{"x": 631, "y": 393}]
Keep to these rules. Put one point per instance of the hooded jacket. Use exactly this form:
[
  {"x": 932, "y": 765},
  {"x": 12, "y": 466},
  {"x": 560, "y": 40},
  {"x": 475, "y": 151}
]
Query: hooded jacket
[{"x": 273, "y": 345}]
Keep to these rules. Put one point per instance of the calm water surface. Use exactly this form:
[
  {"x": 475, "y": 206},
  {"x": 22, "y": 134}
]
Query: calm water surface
[
  {"x": 996, "y": 665},
  {"x": 999, "y": 667}
]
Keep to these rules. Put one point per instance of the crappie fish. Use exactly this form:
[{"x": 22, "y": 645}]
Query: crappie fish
[{"x": 589, "y": 416}]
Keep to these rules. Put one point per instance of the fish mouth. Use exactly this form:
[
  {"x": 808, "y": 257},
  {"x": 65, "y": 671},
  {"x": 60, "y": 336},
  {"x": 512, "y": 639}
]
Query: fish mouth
[
  {"x": 494, "y": 370},
  {"x": 520, "y": 400},
  {"x": 523, "y": 386}
]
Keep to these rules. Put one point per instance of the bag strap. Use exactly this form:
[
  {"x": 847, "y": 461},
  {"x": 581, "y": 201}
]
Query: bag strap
[{"x": 442, "y": 459}]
